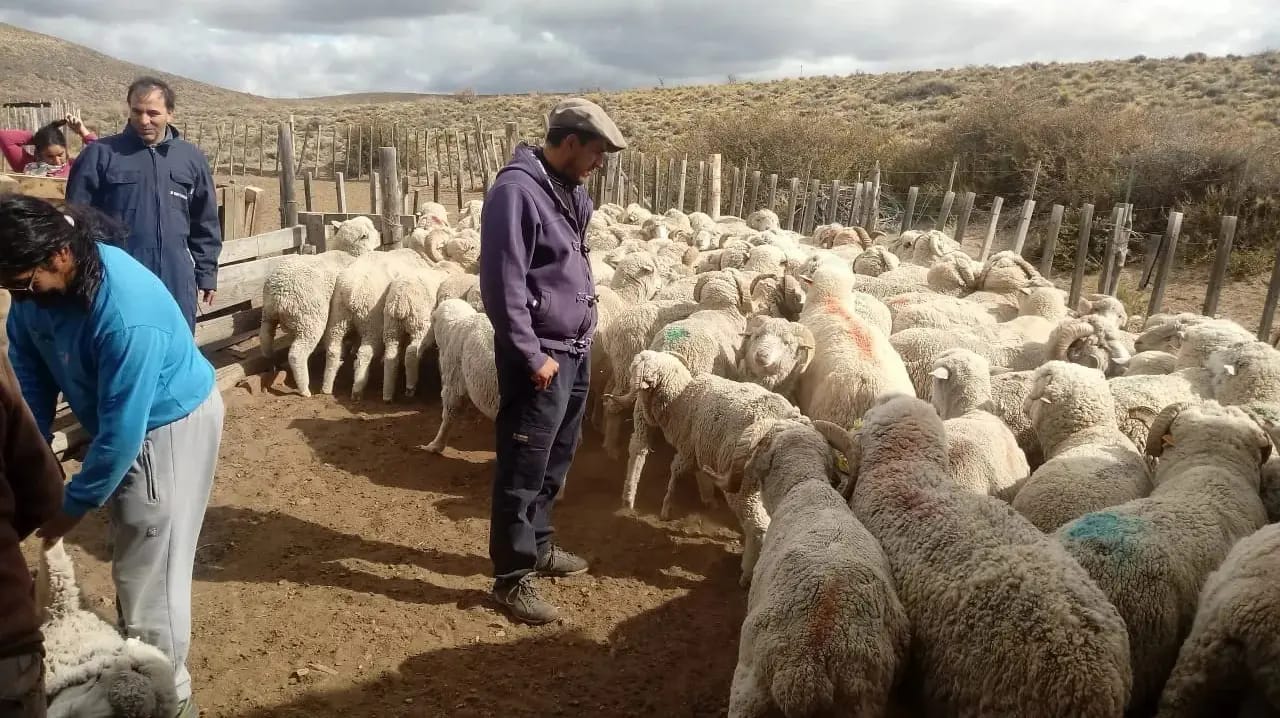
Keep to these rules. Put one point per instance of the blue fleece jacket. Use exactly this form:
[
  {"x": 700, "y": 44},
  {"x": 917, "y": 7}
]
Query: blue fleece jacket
[
  {"x": 165, "y": 196},
  {"x": 126, "y": 366},
  {"x": 535, "y": 279}
]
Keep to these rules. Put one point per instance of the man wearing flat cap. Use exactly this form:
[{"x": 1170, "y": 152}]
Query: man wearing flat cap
[{"x": 539, "y": 293}]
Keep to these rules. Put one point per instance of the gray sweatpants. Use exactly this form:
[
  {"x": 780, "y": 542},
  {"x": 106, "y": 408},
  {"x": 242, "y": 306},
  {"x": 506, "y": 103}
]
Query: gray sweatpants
[{"x": 156, "y": 515}]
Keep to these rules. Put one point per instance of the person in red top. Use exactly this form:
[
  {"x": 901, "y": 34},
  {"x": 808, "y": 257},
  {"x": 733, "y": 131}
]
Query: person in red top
[{"x": 50, "y": 157}]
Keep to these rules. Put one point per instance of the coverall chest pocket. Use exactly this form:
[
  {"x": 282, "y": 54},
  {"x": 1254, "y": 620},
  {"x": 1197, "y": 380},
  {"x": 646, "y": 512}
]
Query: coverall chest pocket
[{"x": 120, "y": 192}]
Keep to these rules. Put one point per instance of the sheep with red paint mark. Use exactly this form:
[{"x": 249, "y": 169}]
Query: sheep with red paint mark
[
  {"x": 825, "y": 632},
  {"x": 1004, "y": 622},
  {"x": 1152, "y": 555},
  {"x": 853, "y": 362}
]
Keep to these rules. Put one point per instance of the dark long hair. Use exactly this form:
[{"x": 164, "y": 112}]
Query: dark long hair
[
  {"x": 33, "y": 230},
  {"x": 50, "y": 134}
]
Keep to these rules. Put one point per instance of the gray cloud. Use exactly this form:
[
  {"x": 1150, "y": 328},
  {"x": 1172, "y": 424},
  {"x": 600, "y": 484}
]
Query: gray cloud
[{"x": 293, "y": 48}]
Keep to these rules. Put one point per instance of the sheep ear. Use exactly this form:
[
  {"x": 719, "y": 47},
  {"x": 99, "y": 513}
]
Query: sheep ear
[
  {"x": 941, "y": 373},
  {"x": 804, "y": 337},
  {"x": 1025, "y": 290},
  {"x": 336, "y": 224}
]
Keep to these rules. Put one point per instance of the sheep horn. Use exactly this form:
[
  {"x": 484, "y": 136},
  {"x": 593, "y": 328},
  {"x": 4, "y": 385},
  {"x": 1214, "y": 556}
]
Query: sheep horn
[
  {"x": 806, "y": 346},
  {"x": 843, "y": 441},
  {"x": 1068, "y": 332},
  {"x": 621, "y": 402},
  {"x": 1158, "y": 435}
]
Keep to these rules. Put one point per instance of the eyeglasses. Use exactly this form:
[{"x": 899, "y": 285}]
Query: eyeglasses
[{"x": 30, "y": 284}]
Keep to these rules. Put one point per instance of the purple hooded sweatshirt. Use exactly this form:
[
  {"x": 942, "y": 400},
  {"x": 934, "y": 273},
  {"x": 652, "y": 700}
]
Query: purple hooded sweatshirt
[{"x": 534, "y": 275}]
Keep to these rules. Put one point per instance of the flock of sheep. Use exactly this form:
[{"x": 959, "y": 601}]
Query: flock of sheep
[{"x": 952, "y": 485}]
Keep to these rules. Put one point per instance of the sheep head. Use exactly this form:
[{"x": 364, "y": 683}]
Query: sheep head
[
  {"x": 1208, "y": 427},
  {"x": 649, "y": 370},
  {"x": 961, "y": 382},
  {"x": 1005, "y": 272},
  {"x": 763, "y": 220},
  {"x": 900, "y": 428},
  {"x": 1092, "y": 341},
  {"x": 1104, "y": 305},
  {"x": 139, "y": 682},
  {"x": 1238, "y": 372},
  {"x": 1065, "y": 398},
  {"x": 776, "y": 351},
  {"x": 875, "y": 261},
  {"x": 356, "y": 236}
]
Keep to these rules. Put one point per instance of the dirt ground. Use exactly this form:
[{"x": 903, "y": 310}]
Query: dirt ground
[{"x": 334, "y": 540}]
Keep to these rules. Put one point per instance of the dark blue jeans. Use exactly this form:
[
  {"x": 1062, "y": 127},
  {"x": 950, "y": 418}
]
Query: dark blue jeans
[{"x": 537, "y": 435}]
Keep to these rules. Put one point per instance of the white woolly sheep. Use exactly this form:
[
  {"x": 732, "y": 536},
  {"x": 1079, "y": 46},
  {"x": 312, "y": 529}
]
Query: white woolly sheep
[
  {"x": 1092, "y": 341},
  {"x": 1009, "y": 390},
  {"x": 359, "y": 298},
  {"x": 410, "y": 301},
  {"x": 432, "y": 215},
  {"x": 1139, "y": 398},
  {"x": 1197, "y": 342},
  {"x": 1245, "y": 373},
  {"x": 776, "y": 296},
  {"x": 824, "y": 632},
  {"x": 703, "y": 417},
  {"x": 954, "y": 275},
  {"x": 1151, "y": 555},
  {"x": 853, "y": 361},
  {"x": 983, "y": 454},
  {"x": 469, "y": 217},
  {"x": 1227, "y": 665},
  {"x": 465, "y": 339},
  {"x": 932, "y": 246},
  {"x": 763, "y": 220},
  {"x": 1088, "y": 464},
  {"x": 297, "y": 293},
  {"x": 776, "y": 354},
  {"x": 1151, "y": 362},
  {"x": 1003, "y": 621},
  {"x": 90, "y": 669},
  {"x": 875, "y": 261}
]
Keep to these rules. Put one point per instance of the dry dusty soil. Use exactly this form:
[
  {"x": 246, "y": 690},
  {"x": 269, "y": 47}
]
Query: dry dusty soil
[{"x": 336, "y": 545}]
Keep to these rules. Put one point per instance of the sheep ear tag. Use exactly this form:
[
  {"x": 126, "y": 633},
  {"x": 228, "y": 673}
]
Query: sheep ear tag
[
  {"x": 1230, "y": 369},
  {"x": 842, "y": 463},
  {"x": 1046, "y": 400},
  {"x": 941, "y": 373}
]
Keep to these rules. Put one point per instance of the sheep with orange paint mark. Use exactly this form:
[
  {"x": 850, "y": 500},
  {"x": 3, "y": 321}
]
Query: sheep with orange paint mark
[
  {"x": 825, "y": 632},
  {"x": 853, "y": 361}
]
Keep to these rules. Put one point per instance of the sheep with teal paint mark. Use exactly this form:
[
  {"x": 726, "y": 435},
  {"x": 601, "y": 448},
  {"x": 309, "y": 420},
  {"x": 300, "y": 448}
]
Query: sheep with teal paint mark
[
  {"x": 1151, "y": 555},
  {"x": 1089, "y": 465}
]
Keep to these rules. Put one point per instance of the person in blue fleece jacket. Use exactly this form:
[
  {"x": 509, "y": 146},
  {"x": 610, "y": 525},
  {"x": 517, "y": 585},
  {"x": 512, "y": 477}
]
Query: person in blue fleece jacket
[{"x": 91, "y": 322}]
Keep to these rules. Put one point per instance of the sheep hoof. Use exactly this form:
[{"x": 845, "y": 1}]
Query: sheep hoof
[
  {"x": 434, "y": 447},
  {"x": 408, "y": 392},
  {"x": 745, "y": 580}
]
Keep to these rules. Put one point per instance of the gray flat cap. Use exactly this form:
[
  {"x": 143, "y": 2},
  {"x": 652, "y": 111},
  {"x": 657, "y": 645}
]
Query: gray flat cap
[{"x": 577, "y": 113}]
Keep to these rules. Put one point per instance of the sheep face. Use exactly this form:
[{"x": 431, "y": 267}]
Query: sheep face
[
  {"x": 1092, "y": 341},
  {"x": 355, "y": 236},
  {"x": 875, "y": 261},
  {"x": 768, "y": 444},
  {"x": 775, "y": 350},
  {"x": 1190, "y": 429},
  {"x": 763, "y": 220}
]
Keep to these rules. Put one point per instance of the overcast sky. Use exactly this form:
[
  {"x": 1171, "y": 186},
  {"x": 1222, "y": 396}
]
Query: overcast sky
[{"x": 298, "y": 48}]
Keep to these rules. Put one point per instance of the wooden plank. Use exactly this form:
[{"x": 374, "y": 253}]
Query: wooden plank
[
  {"x": 773, "y": 192},
  {"x": 996, "y": 206},
  {"x": 913, "y": 195},
  {"x": 213, "y": 334},
  {"x": 47, "y": 188},
  {"x": 242, "y": 282},
  {"x": 1050, "y": 243},
  {"x": 966, "y": 209},
  {"x": 1082, "y": 255},
  {"x": 944, "y": 214},
  {"x": 1024, "y": 224},
  {"x": 280, "y": 240},
  {"x": 714, "y": 210},
  {"x": 793, "y": 202},
  {"x": 1166, "y": 270}
]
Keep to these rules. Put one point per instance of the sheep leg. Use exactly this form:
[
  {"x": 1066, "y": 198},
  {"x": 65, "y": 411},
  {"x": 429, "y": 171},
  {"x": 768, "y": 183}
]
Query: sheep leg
[
  {"x": 339, "y": 324},
  {"x": 390, "y": 364},
  {"x": 754, "y": 520},
  {"x": 706, "y": 490},
  {"x": 747, "y": 697},
  {"x": 638, "y": 452},
  {"x": 304, "y": 343},
  {"x": 267, "y": 332},
  {"x": 451, "y": 399},
  {"x": 370, "y": 345},
  {"x": 419, "y": 342},
  {"x": 680, "y": 466}
]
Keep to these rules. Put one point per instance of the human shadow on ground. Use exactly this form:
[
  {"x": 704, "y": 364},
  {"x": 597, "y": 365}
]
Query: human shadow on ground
[
  {"x": 675, "y": 660},
  {"x": 244, "y": 545}
]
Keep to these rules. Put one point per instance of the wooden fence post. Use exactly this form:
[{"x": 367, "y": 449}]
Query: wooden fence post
[
  {"x": 306, "y": 190},
  {"x": 1050, "y": 243},
  {"x": 375, "y": 192},
  {"x": 684, "y": 167},
  {"x": 340, "y": 180},
  {"x": 966, "y": 209},
  {"x": 1166, "y": 268},
  {"x": 833, "y": 202},
  {"x": 875, "y": 198},
  {"x": 856, "y": 215},
  {"x": 1269, "y": 306},
  {"x": 1109, "y": 250},
  {"x": 1226, "y": 236},
  {"x": 945, "y": 212},
  {"x": 791, "y": 206},
  {"x": 288, "y": 205},
  {"x": 1122, "y": 249},
  {"x": 811, "y": 205},
  {"x": 1082, "y": 255},
  {"x": 1024, "y": 224},
  {"x": 991, "y": 229},
  {"x": 697, "y": 190},
  {"x": 913, "y": 194},
  {"x": 754, "y": 198},
  {"x": 391, "y": 202},
  {"x": 715, "y": 187},
  {"x": 773, "y": 192}
]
